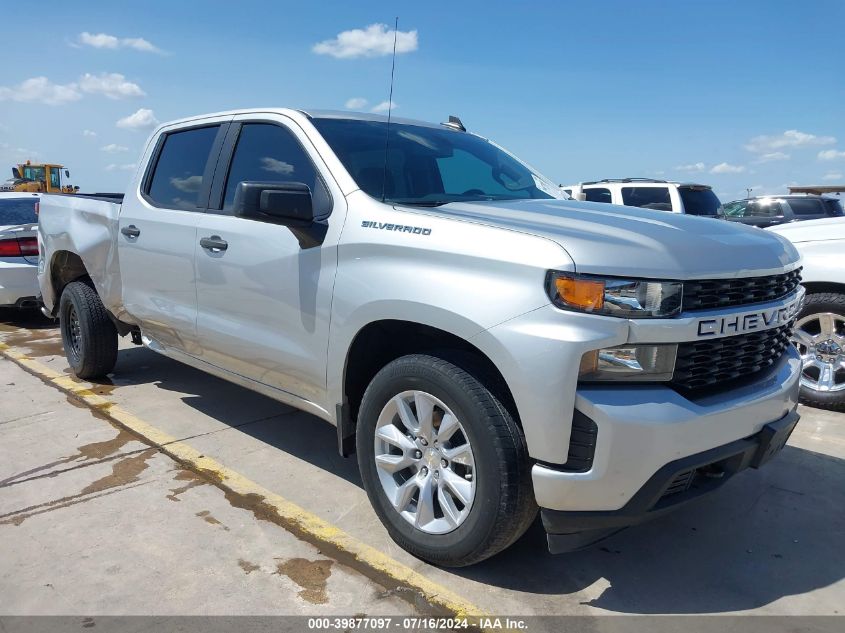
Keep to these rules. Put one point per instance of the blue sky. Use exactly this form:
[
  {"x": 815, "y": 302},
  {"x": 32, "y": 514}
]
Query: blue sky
[{"x": 734, "y": 94}]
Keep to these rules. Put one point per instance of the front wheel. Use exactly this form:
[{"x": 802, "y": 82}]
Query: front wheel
[
  {"x": 819, "y": 335},
  {"x": 443, "y": 462},
  {"x": 88, "y": 334}
]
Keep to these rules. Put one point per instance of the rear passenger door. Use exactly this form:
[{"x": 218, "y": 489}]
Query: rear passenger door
[
  {"x": 157, "y": 234},
  {"x": 263, "y": 299}
]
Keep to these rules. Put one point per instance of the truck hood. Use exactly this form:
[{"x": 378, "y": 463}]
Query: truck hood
[{"x": 615, "y": 240}]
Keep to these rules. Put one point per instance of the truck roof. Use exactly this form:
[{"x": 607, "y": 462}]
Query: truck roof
[{"x": 309, "y": 113}]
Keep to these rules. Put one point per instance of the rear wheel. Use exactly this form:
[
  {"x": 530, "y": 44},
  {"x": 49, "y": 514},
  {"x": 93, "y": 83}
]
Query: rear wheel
[
  {"x": 88, "y": 334},
  {"x": 443, "y": 462},
  {"x": 819, "y": 335}
]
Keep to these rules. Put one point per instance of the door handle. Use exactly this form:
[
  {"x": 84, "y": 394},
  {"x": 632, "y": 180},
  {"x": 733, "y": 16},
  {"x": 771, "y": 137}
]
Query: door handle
[
  {"x": 215, "y": 243},
  {"x": 131, "y": 231}
]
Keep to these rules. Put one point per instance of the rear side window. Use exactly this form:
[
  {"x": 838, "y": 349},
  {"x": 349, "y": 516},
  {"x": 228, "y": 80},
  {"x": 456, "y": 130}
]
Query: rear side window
[
  {"x": 18, "y": 211},
  {"x": 598, "y": 194},
  {"x": 270, "y": 153},
  {"x": 832, "y": 207},
  {"x": 806, "y": 206},
  {"x": 177, "y": 180},
  {"x": 699, "y": 200},
  {"x": 647, "y": 197}
]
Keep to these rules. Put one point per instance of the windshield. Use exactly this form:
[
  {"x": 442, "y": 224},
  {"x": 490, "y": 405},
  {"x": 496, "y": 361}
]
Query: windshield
[
  {"x": 18, "y": 211},
  {"x": 699, "y": 200},
  {"x": 430, "y": 166}
]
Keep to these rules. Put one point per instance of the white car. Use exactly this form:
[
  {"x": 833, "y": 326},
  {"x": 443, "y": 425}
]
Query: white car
[
  {"x": 820, "y": 329},
  {"x": 679, "y": 197},
  {"x": 19, "y": 250}
]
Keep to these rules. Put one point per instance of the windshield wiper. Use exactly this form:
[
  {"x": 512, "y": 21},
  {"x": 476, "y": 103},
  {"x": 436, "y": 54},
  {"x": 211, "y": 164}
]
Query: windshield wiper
[{"x": 421, "y": 203}]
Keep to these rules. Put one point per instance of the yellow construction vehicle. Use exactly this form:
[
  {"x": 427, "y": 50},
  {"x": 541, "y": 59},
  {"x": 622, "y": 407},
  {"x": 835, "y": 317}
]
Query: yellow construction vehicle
[{"x": 38, "y": 178}]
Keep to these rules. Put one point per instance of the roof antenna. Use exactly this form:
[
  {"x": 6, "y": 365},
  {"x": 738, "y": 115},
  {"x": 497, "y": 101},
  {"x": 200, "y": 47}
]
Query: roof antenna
[{"x": 389, "y": 110}]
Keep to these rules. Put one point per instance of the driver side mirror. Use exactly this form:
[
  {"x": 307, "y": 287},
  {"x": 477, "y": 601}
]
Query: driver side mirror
[
  {"x": 287, "y": 203},
  {"x": 67, "y": 173}
]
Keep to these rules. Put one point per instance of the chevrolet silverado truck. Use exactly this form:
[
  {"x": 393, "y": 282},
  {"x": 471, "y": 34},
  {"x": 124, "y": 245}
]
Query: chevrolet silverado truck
[{"x": 484, "y": 347}]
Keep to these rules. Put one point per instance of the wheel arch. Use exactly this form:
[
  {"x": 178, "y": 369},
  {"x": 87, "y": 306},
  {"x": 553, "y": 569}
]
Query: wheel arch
[{"x": 379, "y": 342}]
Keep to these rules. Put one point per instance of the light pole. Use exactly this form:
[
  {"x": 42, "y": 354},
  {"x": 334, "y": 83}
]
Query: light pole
[{"x": 748, "y": 193}]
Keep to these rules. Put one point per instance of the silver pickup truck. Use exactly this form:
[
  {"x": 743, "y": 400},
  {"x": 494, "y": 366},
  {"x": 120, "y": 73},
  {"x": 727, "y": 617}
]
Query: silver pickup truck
[{"x": 485, "y": 347}]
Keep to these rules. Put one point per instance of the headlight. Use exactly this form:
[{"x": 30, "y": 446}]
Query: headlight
[
  {"x": 627, "y": 298},
  {"x": 629, "y": 362}
]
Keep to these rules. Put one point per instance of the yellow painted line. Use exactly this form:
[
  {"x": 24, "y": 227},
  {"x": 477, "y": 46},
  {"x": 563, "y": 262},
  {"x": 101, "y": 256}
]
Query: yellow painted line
[{"x": 329, "y": 538}]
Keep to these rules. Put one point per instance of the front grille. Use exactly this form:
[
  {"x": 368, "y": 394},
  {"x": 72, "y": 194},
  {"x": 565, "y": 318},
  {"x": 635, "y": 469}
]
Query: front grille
[
  {"x": 704, "y": 364},
  {"x": 721, "y": 293}
]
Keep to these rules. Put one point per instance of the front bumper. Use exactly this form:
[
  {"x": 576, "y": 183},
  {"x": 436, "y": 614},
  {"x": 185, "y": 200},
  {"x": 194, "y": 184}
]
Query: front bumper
[
  {"x": 641, "y": 428},
  {"x": 672, "y": 485}
]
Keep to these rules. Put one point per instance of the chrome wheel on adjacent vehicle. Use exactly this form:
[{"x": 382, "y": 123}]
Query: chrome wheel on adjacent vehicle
[
  {"x": 820, "y": 339},
  {"x": 425, "y": 462}
]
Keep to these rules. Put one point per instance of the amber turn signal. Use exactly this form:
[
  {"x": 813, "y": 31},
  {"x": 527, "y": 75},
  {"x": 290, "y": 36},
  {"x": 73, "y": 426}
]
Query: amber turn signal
[{"x": 584, "y": 294}]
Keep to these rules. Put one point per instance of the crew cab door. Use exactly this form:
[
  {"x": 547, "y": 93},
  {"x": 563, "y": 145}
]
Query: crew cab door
[
  {"x": 157, "y": 234},
  {"x": 264, "y": 300}
]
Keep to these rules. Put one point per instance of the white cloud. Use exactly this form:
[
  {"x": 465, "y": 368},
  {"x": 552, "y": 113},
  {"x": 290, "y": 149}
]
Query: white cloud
[
  {"x": 113, "y": 148},
  {"x": 384, "y": 106},
  {"x": 691, "y": 167},
  {"x": 772, "y": 156},
  {"x": 727, "y": 168},
  {"x": 356, "y": 103},
  {"x": 103, "y": 40},
  {"x": 374, "y": 41},
  {"x": 830, "y": 154},
  {"x": 143, "y": 119},
  {"x": 123, "y": 167},
  {"x": 790, "y": 138},
  {"x": 89, "y": 133},
  {"x": 189, "y": 184},
  {"x": 112, "y": 85},
  {"x": 41, "y": 90},
  {"x": 276, "y": 166},
  {"x": 833, "y": 175}
]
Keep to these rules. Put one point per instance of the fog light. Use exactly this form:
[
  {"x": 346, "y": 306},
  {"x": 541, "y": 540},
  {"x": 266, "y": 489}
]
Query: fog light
[{"x": 629, "y": 362}]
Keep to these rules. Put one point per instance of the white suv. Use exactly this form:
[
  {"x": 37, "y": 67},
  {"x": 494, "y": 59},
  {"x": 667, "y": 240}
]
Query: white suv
[{"x": 689, "y": 198}]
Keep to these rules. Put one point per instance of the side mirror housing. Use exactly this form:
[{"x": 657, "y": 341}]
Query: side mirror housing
[
  {"x": 16, "y": 172},
  {"x": 67, "y": 173},
  {"x": 287, "y": 203}
]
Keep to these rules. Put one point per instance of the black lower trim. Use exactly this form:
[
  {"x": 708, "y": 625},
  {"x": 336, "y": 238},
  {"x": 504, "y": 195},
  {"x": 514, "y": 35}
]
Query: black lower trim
[{"x": 674, "y": 484}]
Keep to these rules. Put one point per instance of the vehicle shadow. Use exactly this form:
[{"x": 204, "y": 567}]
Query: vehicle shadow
[
  {"x": 29, "y": 319},
  {"x": 765, "y": 535}
]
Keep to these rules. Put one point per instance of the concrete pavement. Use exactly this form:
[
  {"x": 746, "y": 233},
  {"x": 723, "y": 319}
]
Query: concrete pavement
[{"x": 770, "y": 542}]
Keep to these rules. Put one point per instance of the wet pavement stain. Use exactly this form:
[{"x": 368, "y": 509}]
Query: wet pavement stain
[
  {"x": 124, "y": 474},
  {"x": 193, "y": 480},
  {"x": 86, "y": 452},
  {"x": 206, "y": 516},
  {"x": 311, "y": 575},
  {"x": 36, "y": 343},
  {"x": 247, "y": 566}
]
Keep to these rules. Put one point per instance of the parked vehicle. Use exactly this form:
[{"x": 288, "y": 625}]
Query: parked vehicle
[
  {"x": 485, "y": 347},
  {"x": 18, "y": 250},
  {"x": 647, "y": 193},
  {"x": 38, "y": 177},
  {"x": 820, "y": 329},
  {"x": 765, "y": 211}
]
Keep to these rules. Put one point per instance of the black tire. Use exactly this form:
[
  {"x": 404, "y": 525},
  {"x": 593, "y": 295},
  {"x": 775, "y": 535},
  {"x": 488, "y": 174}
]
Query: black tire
[
  {"x": 88, "y": 334},
  {"x": 504, "y": 505},
  {"x": 818, "y": 303}
]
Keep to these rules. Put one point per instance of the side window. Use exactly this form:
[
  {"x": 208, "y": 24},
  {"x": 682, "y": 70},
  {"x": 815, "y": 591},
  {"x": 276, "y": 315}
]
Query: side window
[
  {"x": 270, "y": 153},
  {"x": 763, "y": 209},
  {"x": 55, "y": 177},
  {"x": 598, "y": 194},
  {"x": 178, "y": 176},
  {"x": 735, "y": 209},
  {"x": 647, "y": 197},
  {"x": 806, "y": 206}
]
